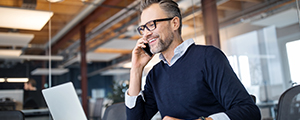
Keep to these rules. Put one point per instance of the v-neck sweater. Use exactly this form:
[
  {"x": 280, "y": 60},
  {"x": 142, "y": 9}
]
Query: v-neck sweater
[{"x": 199, "y": 83}]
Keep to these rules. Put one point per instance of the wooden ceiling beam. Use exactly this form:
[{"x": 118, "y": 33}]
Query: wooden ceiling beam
[
  {"x": 90, "y": 18},
  {"x": 221, "y": 14},
  {"x": 107, "y": 50},
  {"x": 61, "y": 17},
  {"x": 230, "y": 5},
  {"x": 60, "y": 9},
  {"x": 13, "y": 3}
]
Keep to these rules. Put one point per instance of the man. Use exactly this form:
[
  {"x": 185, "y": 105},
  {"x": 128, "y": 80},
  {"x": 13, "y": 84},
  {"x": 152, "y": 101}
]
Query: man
[
  {"x": 30, "y": 102},
  {"x": 191, "y": 82},
  {"x": 30, "y": 85}
]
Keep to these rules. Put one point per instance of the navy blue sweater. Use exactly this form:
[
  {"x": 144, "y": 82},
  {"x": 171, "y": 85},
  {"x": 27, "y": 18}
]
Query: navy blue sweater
[{"x": 200, "y": 83}]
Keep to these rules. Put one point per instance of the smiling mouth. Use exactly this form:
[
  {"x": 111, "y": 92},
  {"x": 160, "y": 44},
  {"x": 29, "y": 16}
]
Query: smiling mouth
[{"x": 151, "y": 40}]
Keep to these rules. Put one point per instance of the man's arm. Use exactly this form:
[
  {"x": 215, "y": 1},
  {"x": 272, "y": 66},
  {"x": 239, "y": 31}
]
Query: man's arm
[
  {"x": 227, "y": 88},
  {"x": 139, "y": 60},
  {"x": 141, "y": 108}
]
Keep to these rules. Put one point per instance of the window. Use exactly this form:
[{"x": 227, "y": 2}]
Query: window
[
  {"x": 293, "y": 49},
  {"x": 255, "y": 58}
]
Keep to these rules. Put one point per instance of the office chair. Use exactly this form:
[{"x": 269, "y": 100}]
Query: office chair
[
  {"x": 115, "y": 112},
  {"x": 11, "y": 115},
  {"x": 97, "y": 113},
  {"x": 289, "y": 104}
]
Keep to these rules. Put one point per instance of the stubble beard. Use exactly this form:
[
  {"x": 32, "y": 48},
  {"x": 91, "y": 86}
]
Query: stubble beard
[{"x": 163, "y": 45}]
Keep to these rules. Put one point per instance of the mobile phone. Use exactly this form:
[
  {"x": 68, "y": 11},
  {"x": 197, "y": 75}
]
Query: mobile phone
[{"x": 147, "y": 49}]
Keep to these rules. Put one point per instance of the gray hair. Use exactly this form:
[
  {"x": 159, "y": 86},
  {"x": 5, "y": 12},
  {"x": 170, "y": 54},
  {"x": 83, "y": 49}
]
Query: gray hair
[{"x": 169, "y": 6}]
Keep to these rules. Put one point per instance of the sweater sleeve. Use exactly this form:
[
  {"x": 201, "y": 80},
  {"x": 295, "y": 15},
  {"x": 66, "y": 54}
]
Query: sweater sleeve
[
  {"x": 227, "y": 88},
  {"x": 145, "y": 107},
  {"x": 131, "y": 100}
]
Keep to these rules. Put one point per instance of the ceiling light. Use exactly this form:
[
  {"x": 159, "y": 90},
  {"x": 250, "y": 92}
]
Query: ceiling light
[
  {"x": 17, "y": 79},
  {"x": 119, "y": 44},
  {"x": 33, "y": 57},
  {"x": 17, "y": 18},
  {"x": 115, "y": 72},
  {"x": 54, "y": 1},
  {"x": 2, "y": 79},
  {"x": 45, "y": 71},
  {"x": 10, "y": 52},
  {"x": 100, "y": 56},
  {"x": 15, "y": 39}
]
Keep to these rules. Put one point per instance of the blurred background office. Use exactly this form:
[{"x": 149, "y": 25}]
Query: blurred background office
[{"x": 89, "y": 43}]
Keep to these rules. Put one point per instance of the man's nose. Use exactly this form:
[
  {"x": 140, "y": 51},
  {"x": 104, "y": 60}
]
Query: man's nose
[{"x": 147, "y": 33}]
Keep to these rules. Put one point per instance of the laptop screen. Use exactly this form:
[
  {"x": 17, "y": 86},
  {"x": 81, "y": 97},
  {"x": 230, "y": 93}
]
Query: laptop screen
[{"x": 64, "y": 103}]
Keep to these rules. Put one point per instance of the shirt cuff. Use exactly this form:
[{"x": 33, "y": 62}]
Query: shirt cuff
[
  {"x": 130, "y": 101},
  {"x": 219, "y": 116}
]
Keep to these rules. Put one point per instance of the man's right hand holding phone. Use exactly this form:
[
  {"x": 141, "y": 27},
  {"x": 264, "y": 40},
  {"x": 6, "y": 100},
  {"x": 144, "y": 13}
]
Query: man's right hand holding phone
[{"x": 139, "y": 60}]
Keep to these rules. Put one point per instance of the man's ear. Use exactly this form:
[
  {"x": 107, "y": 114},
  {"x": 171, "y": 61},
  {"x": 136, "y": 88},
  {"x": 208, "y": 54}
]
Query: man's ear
[{"x": 175, "y": 23}]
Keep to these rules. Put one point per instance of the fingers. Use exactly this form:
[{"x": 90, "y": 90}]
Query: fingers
[
  {"x": 138, "y": 48},
  {"x": 140, "y": 43}
]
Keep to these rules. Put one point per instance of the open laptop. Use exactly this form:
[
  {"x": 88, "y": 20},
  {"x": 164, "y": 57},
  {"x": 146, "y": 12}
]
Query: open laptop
[{"x": 63, "y": 102}]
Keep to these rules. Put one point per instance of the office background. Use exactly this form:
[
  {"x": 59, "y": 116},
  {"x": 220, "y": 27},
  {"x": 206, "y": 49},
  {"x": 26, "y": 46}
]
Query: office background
[{"x": 260, "y": 38}]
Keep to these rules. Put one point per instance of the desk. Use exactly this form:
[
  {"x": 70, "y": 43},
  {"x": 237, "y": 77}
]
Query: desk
[
  {"x": 271, "y": 105},
  {"x": 7, "y": 105}
]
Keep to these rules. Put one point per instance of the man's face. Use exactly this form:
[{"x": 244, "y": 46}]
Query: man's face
[{"x": 160, "y": 38}]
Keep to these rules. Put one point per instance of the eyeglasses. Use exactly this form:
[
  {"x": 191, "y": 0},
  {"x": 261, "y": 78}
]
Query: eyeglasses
[{"x": 151, "y": 25}]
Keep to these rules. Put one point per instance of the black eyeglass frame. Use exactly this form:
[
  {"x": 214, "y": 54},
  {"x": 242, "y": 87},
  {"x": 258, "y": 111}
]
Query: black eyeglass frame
[{"x": 154, "y": 22}]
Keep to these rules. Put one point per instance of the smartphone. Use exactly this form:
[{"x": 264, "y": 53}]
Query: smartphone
[{"x": 147, "y": 49}]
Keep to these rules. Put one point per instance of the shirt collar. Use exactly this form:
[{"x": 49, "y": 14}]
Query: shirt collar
[{"x": 178, "y": 52}]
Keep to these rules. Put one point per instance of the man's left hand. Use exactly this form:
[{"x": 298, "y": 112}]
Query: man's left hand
[{"x": 170, "y": 118}]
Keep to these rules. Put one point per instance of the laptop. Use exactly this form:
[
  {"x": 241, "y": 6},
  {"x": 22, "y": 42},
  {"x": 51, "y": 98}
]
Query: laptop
[{"x": 63, "y": 102}]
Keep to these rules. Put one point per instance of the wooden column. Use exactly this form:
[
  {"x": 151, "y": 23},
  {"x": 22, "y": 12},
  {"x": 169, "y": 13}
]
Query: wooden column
[
  {"x": 210, "y": 21},
  {"x": 83, "y": 68}
]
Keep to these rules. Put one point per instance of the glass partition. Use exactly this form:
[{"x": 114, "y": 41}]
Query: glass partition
[{"x": 256, "y": 60}]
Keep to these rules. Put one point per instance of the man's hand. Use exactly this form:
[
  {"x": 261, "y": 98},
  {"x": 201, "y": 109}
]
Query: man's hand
[
  {"x": 170, "y": 118},
  {"x": 139, "y": 57},
  {"x": 208, "y": 118},
  {"x": 139, "y": 60}
]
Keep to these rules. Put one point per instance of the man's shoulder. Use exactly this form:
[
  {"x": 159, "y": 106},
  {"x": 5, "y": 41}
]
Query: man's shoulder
[
  {"x": 203, "y": 49},
  {"x": 159, "y": 64},
  {"x": 198, "y": 46}
]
